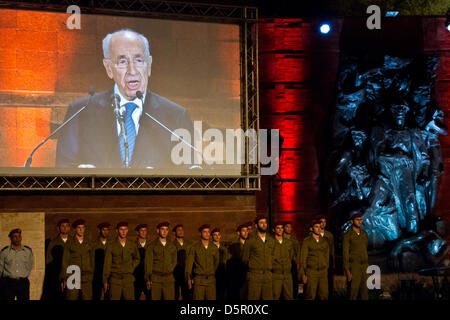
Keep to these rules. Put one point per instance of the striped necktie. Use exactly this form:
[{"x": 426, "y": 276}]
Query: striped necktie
[{"x": 131, "y": 131}]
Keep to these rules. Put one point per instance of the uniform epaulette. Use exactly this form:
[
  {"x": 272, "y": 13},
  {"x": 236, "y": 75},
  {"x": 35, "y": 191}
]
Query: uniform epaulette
[
  {"x": 27, "y": 247},
  {"x": 5, "y": 248}
]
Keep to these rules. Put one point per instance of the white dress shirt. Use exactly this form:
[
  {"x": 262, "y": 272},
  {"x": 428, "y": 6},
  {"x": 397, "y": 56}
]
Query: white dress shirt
[{"x": 136, "y": 113}]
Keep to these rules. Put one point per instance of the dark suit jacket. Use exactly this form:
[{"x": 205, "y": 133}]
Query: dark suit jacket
[{"x": 91, "y": 138}]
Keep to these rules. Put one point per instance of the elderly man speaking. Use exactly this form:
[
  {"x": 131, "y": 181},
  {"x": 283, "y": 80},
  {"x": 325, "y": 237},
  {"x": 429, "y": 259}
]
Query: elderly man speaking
[{"x": 94, "y": 138}]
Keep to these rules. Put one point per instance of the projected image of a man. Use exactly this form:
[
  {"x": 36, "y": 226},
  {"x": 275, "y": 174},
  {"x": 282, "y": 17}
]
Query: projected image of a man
[
  {"x": 95, "y": 139},
  {"x": 128, "y": 62}
]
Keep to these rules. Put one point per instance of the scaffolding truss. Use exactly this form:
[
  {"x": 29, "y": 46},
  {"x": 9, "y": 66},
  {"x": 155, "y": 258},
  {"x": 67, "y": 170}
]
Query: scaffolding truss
[{"x": 87, "y": 183}]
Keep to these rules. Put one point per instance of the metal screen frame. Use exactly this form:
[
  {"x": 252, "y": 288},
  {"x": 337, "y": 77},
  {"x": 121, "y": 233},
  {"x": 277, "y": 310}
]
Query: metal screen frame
[{"x": 245, "y": 17}]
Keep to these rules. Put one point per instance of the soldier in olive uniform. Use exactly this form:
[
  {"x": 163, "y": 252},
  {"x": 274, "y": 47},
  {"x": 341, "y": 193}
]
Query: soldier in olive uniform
[
  {"x": 140, "y": 284},
  {"x": 327, "y": 235},
  {"x": 99, "y": 247},
  {"x": 121, "y": 259},
  {"x": 160, "y": 261},
  {"x": 355, "y": 258},
  {"x": 236, "y": 269},
  {"x": 182, "y": 245},
  {"x": 296, "y": 259},
  {"x": 283, "y": 255},
  {"x": 16, "y": 263},
  {"x": 53, "y": 260},
  {"x": 221, "y": 275},
  {"x": 314, "y": 263},
  {"x": 258, "y": 256},
  {"x": 201, "y": 265},
  {"x": 78, "y": 252}
]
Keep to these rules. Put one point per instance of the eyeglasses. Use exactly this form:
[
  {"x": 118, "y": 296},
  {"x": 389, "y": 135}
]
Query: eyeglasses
[{"x": 123, "y": 63}]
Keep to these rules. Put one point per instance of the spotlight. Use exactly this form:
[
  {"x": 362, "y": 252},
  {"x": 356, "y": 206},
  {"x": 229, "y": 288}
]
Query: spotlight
[
  {"x": 325, "y": 28},
  {"x": 391, "y": 13}
]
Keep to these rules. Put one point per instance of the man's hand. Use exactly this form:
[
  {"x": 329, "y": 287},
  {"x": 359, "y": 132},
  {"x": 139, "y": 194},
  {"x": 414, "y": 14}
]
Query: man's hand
[
  {"x": 348, "y": 274},
  {"x": 105, "y": 287},
  {"x": 304, "y": 278},
  {"x": 149, "y": 284},
  {"x": 63, "y": 285},
  {"x": 190, "y": 283}
]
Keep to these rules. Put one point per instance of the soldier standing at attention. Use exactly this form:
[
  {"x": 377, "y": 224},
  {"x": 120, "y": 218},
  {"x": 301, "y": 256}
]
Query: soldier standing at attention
[
  {"x": 314, "y": 262},
  {"x": 121, "y": 259},
  {"x": 140, "y": 284},
  {"x": 221, "y": 279},
  {"x": 327, "y": 235},
  {"x": 258, "y": 256},
  {"x": 182, "y": 245},
  {"x": 283, "y": 255},
  {"x": 53, "y": 261},
  {"x": 201, "y": 265},
  {"x": 236, "y": 269},
  {"x": 296, "y": 251},
  {"x": 78, "y": 252},
  {"x": 160, "y": 261},
  {"x": 16, "y": 262},
  {"x": 355, "y": 258},
  {"x": 99, "y": 247}
]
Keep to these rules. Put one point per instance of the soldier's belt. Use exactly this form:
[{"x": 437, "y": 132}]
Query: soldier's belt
[
  {"x": 204, "y": 276},
  {"x": 315, "y": 269},
  {"x": 120, "y": 275},
  {"x": 281, "y": 271},
  {"x": 259, "y": 271},
  {"x": 162, "y": 274}
]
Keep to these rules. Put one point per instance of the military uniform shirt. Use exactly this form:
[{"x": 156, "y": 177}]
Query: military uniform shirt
[
  {"x": 98, "y": 245},
  {"x": 99, "y": 256},
  {"x": 223, "y": 254},
  {"x": 295, "y": 248},
  {"x": 120, "y": 259},
  {"x": 139, "y": 272},
  {"x": 202, "y": 261},
  {"x": 16, "y": 263},
  {"x": 314, "y": 256},
  {"x": 160, "y": 259},
  {"x": 354, "y": 248},
  {"x": 283, "y": 255},
  {"x": 327, "y": 235},
  {"x": 258, "y": 255},
  {"x": 182, "y": 251},
  {"x": 78, "y": 254},
  {"x": 55, "y": 250}
]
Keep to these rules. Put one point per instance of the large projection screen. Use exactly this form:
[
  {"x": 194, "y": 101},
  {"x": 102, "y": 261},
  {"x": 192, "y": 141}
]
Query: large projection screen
[{"x": 194, "y": 80}]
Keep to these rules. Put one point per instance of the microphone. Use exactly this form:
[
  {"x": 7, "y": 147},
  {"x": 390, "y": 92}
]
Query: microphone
[
  {"x": 123, "y": 130},
  {"x": 140, "y": 96},
  {"x": 30, "y": 158}
]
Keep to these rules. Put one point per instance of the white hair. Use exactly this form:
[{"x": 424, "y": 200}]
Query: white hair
[{"x": 107, "y": 42}]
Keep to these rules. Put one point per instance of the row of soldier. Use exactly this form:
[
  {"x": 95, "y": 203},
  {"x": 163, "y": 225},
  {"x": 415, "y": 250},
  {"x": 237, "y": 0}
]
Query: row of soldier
[{"x": 258, "y": 266}]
